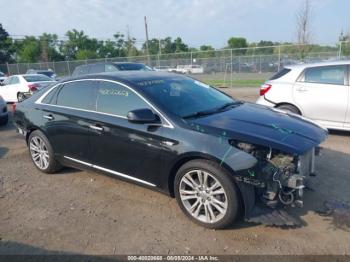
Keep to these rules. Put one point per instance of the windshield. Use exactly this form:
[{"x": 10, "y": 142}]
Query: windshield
[
  {"x": 36, "y": 78},
  {"x": 185, "y": 97},
  {"x": 133, "y": 67}
]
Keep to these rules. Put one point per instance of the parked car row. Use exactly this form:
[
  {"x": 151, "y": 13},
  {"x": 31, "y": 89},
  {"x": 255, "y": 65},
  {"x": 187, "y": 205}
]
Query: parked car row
[{"x": 216, "y": 155}]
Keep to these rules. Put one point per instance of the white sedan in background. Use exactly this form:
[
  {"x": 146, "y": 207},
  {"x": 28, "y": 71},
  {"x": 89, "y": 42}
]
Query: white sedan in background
[
  {"x": 319, "y": 91},
  {"x": 15, "y": 88}
]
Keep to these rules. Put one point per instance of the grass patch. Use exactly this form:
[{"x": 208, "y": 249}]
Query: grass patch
[{"x": 235, "y": 82}]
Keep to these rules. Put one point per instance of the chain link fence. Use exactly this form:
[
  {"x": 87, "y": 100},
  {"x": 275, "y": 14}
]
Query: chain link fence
[{"x": 227, "y": 61}]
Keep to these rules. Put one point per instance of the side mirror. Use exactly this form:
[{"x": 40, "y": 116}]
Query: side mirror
[{"x": 143, "y": 116}]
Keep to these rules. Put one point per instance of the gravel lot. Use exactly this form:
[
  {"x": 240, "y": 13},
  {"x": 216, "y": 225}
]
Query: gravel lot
[{"x": 89, "y": 213}]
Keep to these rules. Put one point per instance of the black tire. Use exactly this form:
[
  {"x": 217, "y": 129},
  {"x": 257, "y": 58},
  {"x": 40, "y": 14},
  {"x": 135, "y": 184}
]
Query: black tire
[
  {"x": 4, "y": 120},
  {"x": 20, "y": 97},
  {"x": 53, "y": 165},
  {"x": 227, "y": 183},
  {"x": 289, "y": 109}
]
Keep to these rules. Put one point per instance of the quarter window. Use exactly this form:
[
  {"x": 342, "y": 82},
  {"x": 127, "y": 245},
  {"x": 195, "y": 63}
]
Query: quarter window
[
  {"x": 326, "y": 75},
  {"x": 118, "y": 100},
  {"x": 13, "y": 80},
  {"x": 78, "y": 94}
]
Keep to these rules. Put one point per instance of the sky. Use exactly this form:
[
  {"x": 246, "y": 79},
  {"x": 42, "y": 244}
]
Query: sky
[{"x": 197, "y": 22}]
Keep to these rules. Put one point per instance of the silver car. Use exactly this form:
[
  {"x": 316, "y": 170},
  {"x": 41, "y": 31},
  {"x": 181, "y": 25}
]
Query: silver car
[
  {"x": 3, "y": 112},
  {"x": 319, "y": 91}
]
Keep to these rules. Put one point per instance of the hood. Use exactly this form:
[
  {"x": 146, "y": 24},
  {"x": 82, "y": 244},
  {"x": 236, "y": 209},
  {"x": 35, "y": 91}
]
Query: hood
[{"x": 264, "y": 126}]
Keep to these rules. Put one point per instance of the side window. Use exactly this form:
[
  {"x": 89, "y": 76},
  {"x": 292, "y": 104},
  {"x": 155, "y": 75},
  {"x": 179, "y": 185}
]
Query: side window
[
  {"x": 117, "y": 100},
  {"x": 326, "y": 75},
  {"x": 110, "y": 68},
  {"x": 13, "y": 80},
  {"x": 96, "y": 68},
  {"x": 80, "y": 70},
  {"x": 50, "y": 98},
  {"x": 79, "y": 94}
]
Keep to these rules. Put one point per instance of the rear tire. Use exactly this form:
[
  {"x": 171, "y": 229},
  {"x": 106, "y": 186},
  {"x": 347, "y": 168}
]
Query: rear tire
[
  {"x": 41, "y": 153},
  {"x": 289, "y": 109},
  {"x": 204, "y": 203},
  {"x": 20, "y": 97}
]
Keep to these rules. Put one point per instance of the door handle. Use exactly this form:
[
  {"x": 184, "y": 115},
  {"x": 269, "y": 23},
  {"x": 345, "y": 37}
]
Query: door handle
[
  {"x": 49, "y": 117},
  {"x": 302, "y": 89},
  {"x": 98, "y": 128}
]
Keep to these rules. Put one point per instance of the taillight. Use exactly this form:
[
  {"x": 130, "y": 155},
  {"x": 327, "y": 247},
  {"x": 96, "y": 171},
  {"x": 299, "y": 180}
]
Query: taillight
[
  {"x": 33, "y": 87},
  {"x": 14, "y": 105},
  {"x": 264, "y": 89}
]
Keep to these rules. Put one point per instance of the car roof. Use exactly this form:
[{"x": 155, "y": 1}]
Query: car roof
[
  {"x": 40, "y": 70},
  {"x": 26, "y": 75},
  {"x": 130, "y": 77},
  {"x": 325, "y": 63}
]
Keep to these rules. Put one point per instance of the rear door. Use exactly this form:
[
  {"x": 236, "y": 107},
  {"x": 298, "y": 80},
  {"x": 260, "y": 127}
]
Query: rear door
[
  {"x": 67, "y": 119},
  {"x": 322, "y": 94}
]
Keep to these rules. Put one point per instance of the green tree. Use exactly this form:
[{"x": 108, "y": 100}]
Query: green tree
[
  {"x": 28, "y": 50},
  {"x": 238, "y": 42},
  {"x": 6, "y": 46},
  {"x": 77, "y": 40},
  {"x": 84, "y": 54},
  {"x": 153, "y": 46},
  {"x": 344, "y": 41},
  {"x": 206, "y": 48},
  {"x": 50, "y": 48}
]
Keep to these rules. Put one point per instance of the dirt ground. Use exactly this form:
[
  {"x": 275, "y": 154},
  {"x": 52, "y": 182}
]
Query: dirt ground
[{"x": 89, "y": 213}]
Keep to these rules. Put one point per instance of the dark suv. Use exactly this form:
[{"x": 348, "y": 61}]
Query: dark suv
[
  {"x": 180, "y": 136},
  {"x": 109, "y": 67}
]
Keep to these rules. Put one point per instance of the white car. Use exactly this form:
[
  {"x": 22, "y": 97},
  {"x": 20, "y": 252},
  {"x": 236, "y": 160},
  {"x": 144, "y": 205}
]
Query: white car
[
  {"x": 15, "y": 88},
  {"x": 187, "y": 69},
  {"x": 320, "y": 92}
]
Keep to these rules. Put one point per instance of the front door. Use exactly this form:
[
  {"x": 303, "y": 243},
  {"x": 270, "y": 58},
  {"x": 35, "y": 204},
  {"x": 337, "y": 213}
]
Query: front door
[
  {"x": 322, "y": 94},
  {"x": 125, "y": 149}
]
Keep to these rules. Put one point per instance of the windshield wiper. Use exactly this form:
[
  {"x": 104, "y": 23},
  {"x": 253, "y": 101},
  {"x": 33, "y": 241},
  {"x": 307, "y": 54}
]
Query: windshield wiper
[
  {"x": 199, "y": 114},
  {"x": 229, "y": 105},
  {"x": 213, "y": 111}
]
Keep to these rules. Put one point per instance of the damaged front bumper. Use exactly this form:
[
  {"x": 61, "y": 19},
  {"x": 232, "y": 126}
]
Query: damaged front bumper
[{"x": 276, "y": 181}]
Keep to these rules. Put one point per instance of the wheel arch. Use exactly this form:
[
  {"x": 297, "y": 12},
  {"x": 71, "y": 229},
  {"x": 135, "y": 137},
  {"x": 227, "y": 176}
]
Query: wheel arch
[
  {"x": 31, "y": 129},
  {"x": 289, "y": 104},
  {"x": 183, "y": 159}
]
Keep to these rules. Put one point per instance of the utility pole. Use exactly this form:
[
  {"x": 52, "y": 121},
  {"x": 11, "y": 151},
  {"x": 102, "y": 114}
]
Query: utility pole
[{"x": 147, "y": 50}]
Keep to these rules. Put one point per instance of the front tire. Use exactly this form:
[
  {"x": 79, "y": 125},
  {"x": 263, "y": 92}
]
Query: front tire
[
  {"x": 41, "y": 153},
  {"x": 207, "y": 194}
]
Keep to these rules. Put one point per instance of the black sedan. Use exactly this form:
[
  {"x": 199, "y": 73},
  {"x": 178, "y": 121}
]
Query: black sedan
[{"x": 215, "y": 154}]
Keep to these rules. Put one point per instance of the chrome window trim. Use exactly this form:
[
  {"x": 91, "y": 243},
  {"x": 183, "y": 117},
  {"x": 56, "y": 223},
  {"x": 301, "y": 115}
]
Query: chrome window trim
[
  {"x": 110, "y": 171},
  {"x": 168, "y": 124}
]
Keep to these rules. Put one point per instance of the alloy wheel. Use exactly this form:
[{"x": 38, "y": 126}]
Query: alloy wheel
[
  {"x": 203, "y": 196},
  {"x": 39, "y": 152}
]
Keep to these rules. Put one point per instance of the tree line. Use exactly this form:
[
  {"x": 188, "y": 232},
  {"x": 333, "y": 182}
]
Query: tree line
[{"x": 79, "y": 46}]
